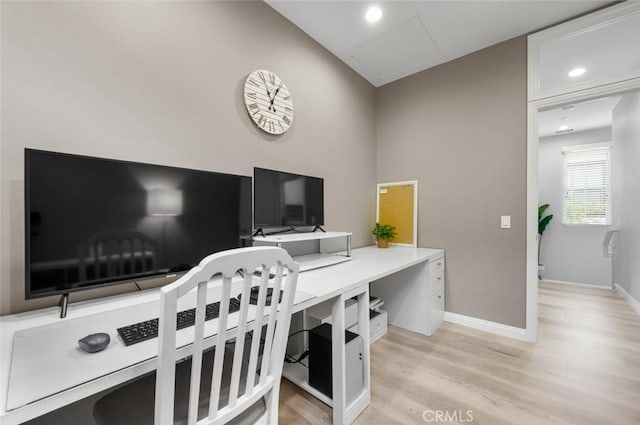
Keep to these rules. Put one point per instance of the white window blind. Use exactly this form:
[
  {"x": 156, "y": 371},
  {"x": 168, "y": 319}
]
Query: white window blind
[{"x": 587, "y": 177}]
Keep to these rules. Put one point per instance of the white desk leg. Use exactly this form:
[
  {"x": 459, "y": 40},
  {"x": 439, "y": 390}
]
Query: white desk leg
[
  {"x": 357, "y": 406},
  {"x": 343, "y": 413},
  {"x": 363, "y": 330},
  {"x": 338, "y": 362}
]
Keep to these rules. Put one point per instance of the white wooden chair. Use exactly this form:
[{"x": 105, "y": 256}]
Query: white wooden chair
[{"x": 199, "y": 395}]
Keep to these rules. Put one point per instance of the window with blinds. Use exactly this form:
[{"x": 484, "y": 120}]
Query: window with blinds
[{"x": 587, "y": 184}]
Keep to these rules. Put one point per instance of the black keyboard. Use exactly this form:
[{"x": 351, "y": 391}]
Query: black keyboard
[{"x": 148, "y": 329}]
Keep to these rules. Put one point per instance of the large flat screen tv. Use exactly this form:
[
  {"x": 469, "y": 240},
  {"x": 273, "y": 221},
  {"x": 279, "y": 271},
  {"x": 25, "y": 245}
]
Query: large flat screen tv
[
  {"x": 286, "y": 200},
  {"x": 92, "y": 221}
]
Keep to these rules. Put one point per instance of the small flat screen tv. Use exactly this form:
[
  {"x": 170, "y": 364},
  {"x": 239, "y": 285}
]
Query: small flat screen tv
[
  {"x": 286, "y": 200},
  {"x": 92, "y": 221}
]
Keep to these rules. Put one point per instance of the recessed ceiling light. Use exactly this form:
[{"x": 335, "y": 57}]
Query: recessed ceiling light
[
  {"x": 563, "y": 127},
  {"x": 564, "y": 118},
  {"x": 373, "y": 14},
  {"x": 576, "y": 72}
]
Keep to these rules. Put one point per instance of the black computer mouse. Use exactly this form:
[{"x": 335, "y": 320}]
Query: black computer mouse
[{"x": 94, "y": 342}]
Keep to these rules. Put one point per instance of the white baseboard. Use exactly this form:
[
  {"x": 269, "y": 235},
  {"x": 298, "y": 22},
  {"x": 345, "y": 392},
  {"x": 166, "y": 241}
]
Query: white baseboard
[
  {"x": 635, "y": 304},
  {"x": 487, "y": 326},
  {"x": 585, "y": 285}
]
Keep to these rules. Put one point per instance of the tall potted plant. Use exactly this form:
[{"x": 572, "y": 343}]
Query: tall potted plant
[
  {"x": 543, "y": 222},
  {"x": 383, "y": 234}
]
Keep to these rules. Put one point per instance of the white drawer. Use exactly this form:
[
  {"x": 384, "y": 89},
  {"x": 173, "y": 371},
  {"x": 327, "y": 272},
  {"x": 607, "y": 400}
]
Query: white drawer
[
  {"x": 436, "y": 267},
  {"x": 378, "y": 326},
  {"x": 436, "y": 311},
  {"x": 436, "y": 283}
]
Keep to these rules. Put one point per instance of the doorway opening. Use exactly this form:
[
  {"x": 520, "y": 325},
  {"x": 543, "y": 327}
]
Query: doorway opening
[
  {"x": 581, "y": 178},
  {"x": 578, "y": 250}
]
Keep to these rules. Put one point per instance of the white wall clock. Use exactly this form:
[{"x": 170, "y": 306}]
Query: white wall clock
[{"x": 268, "y": 101}]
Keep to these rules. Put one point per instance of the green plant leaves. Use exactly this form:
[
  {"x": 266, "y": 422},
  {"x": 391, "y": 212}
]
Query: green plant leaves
[
  {"x": 384, "y": 231},
  {"x": 542, "y": 224},
  {"x": 543, "y": 221},
  {"x": 541, "y": 209}
]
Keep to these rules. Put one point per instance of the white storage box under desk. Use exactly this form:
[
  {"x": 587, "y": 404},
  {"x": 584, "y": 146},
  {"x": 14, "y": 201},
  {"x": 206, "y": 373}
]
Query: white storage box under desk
[{"x": 377, "y": 325}]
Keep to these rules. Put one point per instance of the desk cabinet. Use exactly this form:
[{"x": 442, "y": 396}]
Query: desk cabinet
[
  {"x": 414, "y": 297},
  {"x": 436, "y": 294}
]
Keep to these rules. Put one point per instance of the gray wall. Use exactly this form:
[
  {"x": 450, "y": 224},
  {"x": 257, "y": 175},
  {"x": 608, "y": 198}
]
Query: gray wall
[
  {"x": 626, "y": 193},
  {"x": 161, "y": 82},
  {"x": 460, "y": 130},
  {"x": 569, "y": 253}
]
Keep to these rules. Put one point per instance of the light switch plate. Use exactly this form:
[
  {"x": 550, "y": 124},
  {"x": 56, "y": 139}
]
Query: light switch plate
[{"x": 505, "y": 222}]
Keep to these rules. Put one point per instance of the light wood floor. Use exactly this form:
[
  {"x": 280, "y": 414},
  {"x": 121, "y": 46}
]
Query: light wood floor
[{"x": 584, "y": 369}]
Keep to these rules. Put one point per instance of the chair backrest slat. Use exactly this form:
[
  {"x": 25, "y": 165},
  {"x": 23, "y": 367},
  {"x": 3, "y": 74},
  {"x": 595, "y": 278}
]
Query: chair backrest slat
[
  {"x": 257, "y": 332},
  {"x": 196, "y": 364},
  {"x": 251, "y": 321},
  {"x": 166, "y": 360},
  {"x": 218, "y": 363},
  {"x": 266, "y": 356},
  {"x": 282, "y": 332},
  {"x": 238, "y": 354}
]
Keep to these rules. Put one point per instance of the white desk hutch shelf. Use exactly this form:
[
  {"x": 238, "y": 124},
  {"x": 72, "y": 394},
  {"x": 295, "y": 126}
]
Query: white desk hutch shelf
[{"x": 311, "y": 261}]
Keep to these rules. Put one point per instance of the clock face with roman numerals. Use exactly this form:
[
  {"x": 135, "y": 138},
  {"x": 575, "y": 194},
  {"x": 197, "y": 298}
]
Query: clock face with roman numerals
[{"x": 268, "y": 101}]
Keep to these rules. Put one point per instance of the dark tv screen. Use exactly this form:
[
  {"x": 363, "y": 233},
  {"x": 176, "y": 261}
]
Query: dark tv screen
[
  {"x": 287, "y": 200},
  {"x": 92, "y": 221}
]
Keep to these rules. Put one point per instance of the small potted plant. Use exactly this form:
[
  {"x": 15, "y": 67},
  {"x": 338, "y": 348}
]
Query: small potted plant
[
  {"x": 543, "y": 222},
  {"x": 383, "y": 234}
]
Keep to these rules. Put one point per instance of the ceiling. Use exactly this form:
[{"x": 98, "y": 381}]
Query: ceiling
[
  {"x": 415, "y": 35},
  {"x": 578, "y": 117}
]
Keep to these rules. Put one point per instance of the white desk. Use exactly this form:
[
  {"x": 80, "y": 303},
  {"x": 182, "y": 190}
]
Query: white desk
[{"x": 335, "y": 283}]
